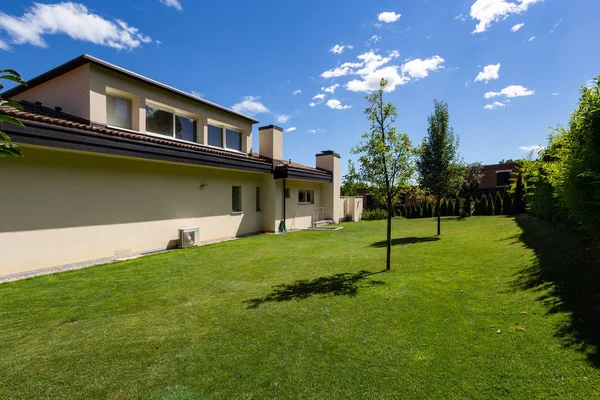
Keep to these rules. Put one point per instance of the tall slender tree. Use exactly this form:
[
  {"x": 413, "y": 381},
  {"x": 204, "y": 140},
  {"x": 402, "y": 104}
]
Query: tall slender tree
[
  {"x": 440, "y": 169},
  {"x": 386, "y": 158},
  {"x": 350, "y": 181},
  {"x": 473, "y": 176}
]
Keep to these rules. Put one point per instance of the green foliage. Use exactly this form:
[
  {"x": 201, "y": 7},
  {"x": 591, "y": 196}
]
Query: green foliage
[
  {"x": 564, "y": 182},
  {"x": 440, "y": 169},
  {"x": 350, "y": 181},
  {"x": 7, "y": 148},
  {"x": 386, "y": 158},
  {"x": 374, "y": 214},
  {"x": 498, "y": 208},
  {"x": 483, "y": 209},
  {"x": 507, "y": 203},
  {"x": 519, "y": 195},
  {"x": 457, "y": 206},
  {"x": 444, "y": 208},
  {"x": 473, "y": 176}
]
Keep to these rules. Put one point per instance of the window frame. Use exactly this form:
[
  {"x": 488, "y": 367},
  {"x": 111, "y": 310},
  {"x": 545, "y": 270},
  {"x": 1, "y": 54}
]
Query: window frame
[
  {"x": 239, "y": 199},
  {"x": 208, "y": 125},
  {"x": 224, "y": 127},
  {"x": 239, "y": 132},
  {"x": 130, "y": 99},
  {"x": 509, "y": 171},
  {"x": 175, "y": 112},
  {"x": 308, "y": 193}
]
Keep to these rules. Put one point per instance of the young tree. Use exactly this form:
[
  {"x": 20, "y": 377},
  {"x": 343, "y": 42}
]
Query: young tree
[
  {"x": 457, "y": 206},
  {"x": 386, "y": 157},
  {"x": 6, "y": 147},
  {"x": 440, "y": 170},
  {"x": 507, "y": 203},
  {"x": 350, "y": 181},
  {"x": 473, "y": 176},
  {"x": 519, "y": 202},
  {"x": 484, "y": 209},
  {"x": 490, "y": 204},
  {"x": 498, "y": 206}
]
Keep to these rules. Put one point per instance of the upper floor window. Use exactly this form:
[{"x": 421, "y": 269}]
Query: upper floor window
[
  {"x": 502, "y": 178},
  {"x": 119, "y": 112},
  {"x": 169, "y": 123},
  {"x": 233, "y": 139},
  {"x": 215, "y": 136}
]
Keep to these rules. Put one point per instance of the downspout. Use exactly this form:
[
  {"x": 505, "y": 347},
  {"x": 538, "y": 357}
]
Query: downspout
[{"x": 282, "y": 228}]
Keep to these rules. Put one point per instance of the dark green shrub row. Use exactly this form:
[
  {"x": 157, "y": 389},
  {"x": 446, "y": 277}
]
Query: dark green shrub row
[{"x": 374, "y": 214}]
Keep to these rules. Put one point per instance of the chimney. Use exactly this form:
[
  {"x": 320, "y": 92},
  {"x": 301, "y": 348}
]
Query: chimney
[
  {"x": 270, "y": 142},
  {"x": 329, "y": 160}
]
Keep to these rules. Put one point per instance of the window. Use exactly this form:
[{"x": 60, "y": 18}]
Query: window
[
  {"x": 258, "y": 206},
  {"x": 236, "y": 199},
  {"x": 169, "y": 123},
  {"x": 233, "y": 139},
  {"x": 159, "y": 121},
  {"x": 119, "y": 112},
  {"x": 215, "y": 136},
  {"x": 287, "y": 193},
  {"x": 502, "y": 178},
  {"x": 185, "y": 128},
  {"x": 306, "y": 196}
]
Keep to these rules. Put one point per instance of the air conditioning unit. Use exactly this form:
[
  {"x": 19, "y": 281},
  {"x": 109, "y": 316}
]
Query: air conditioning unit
[{"x": 189, "y": 237}]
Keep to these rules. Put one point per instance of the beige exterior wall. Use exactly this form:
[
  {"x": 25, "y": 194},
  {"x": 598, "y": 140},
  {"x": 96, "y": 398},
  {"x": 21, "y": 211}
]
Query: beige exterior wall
[
  {"x": 70, "y": 91},
  {"x": 72, "y": 207},
  {"x": 333, "y": 206},
  {"x": 271, "y": 143},
  {"x": 301, "y": 216}
]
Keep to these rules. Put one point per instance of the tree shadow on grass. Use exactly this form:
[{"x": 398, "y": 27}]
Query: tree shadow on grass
[
  {"x": 406, "y": 240},
  {"x": 566, "y": 274},
  {"x": 344, "y": 284}
]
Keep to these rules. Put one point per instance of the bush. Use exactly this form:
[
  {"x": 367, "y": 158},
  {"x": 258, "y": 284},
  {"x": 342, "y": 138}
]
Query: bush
[
  {"x": 490, "y": 205},
  {"x": 375, "y": 214},
  {"x": 457, "y": 207},
  {"x": 498, "y": 209},
  {"x": 507, "y": 203}
]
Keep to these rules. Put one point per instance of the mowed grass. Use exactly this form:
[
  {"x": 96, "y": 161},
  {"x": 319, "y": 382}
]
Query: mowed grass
[{"x": 491, "y": 310}]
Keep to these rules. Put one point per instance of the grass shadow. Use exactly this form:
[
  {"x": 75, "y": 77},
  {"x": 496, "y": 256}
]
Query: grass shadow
[
  {"x": 406, "y": 240},
  {"x": 566, "y": 274},
  {"x": 344, "y": 284}
]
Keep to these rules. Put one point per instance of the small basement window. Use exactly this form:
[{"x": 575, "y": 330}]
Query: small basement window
[
  {"x": 306, "y": 196},
  {"x": 236, "y": 199}
]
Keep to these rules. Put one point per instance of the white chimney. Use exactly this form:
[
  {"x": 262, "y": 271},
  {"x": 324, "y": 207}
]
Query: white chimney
[{"x": 270, "y": 142}]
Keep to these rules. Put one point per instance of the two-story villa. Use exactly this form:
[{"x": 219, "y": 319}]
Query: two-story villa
[{"x": 116, "y": 164}]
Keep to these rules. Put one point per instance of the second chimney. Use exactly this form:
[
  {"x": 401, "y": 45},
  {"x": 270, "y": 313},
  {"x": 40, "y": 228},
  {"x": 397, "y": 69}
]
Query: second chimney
[{"x": 270, "y": 142}]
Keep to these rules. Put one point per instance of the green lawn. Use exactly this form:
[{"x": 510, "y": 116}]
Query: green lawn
[{"x": 493, "y": 309}]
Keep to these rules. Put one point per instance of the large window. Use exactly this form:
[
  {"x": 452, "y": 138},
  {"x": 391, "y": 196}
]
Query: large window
[
  {"x": 159, "y": 121},
  {"x": 185, "y": 128},
  {"x": 119, "y": 112},
  {"x": 306, "y": 196},
  {"x": 169, "y": 123},
  {"x": 236, "y": 199},
  {"x": 503, "y": 178},
  {"x": 215, "y": 136},
  {"x": 233, "y": 139}
]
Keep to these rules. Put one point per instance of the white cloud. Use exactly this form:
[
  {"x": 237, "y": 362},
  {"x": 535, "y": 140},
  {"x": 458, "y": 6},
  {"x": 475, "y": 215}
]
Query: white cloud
[
  {"x": 312, "y": 104},
  {"x": 71, "y": 19},
  {"x": 419, "y": 68},
  {"x": 250, "y": 105},
  {"x": 290, "y": 129},
  {"x": 172, "y": 3},
  {"x": 339, "y": 49},
  {"x": 388, "y": 16},
  {"x": 556, "y": 26},
  {"x": 330, "y": 89},
  {"x": 510, "y": 92},
  {"x": 529, "y": 149},
  {"x": 4, "y": 46},
  {"x": 344, "y": 69},
  {"x": 197, "y": 94},
  {"x": 531, "y": 39},
  {"x": 494, "y": 105},
  {"x": 296, "y": 92},
  {"x": 590, "y": 84},
  {"x": 517, "y": 27},
  {"x": 312, "y": 131},
  {"x": 282, "y": 118},
  {"x": 320, "y": 96},
  {"x": 489, "y": 73},
  {"x": 337, "y": 105},
  {"x": 461, "y": 17},
  {"x": 371, "y": 81},
  {"x": 489, "y": 11},
  {"x": 374, "y": 39},
  {"x": 555, "y": 94}
]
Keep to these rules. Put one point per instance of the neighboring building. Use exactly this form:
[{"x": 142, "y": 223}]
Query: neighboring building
[
  {"x": 116, "y": 163},
  {"x": 496, "y": 178}
]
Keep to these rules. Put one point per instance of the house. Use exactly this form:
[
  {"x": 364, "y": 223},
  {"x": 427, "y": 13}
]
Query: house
[
  {"x": 496, "y": 178},
  {"x": 116, "y": 164}
]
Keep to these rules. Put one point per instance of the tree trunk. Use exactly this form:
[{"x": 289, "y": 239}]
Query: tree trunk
[
  {"x": 389, "y": 236},
  {"x": 439, "y": 213}
]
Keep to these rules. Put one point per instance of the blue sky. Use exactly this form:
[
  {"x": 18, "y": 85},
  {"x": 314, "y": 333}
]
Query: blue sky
[{"x": 256, "y": 55}]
